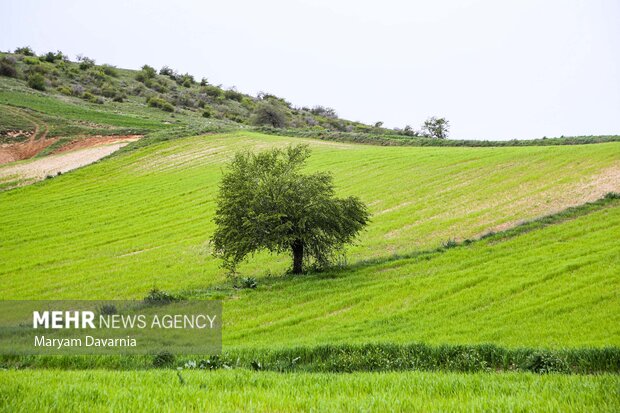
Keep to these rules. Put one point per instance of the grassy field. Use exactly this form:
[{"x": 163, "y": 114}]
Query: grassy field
[
  {"x": 555, "y": 287},
  {"x": 224, "y": 391},
  {"x": 143, "y": 218}
]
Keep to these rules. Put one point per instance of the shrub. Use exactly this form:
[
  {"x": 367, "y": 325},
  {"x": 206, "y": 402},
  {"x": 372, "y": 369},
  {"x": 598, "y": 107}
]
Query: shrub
[
  {"x": 7, "y": 67},
  {"x": 51, "y": 57},
  {"x": 249, "y": 282},
  {"x": 65, "y": 90},
  {"x": 109, "y": 70},
  {"x": 92, "y": 98},
  {"x": 544, "y": 362},
  {"x": 25, "y": 51},
  {"x": 119, "y": 97},
  {"x": 213, "y": 91},
  {"x": 232, "y": 94},
  {"x": 85, "y": 62},
  {"x": 166, "y": 71},
  {"x": 163, "y": 359},
  {"x": 323, "y": 111},
  {"x": 108, "y": 91},
  {"x": 77, "y": 90},
  {"x": 31, "y": 60},
  {"x": 451, "y": 243},
  {"x": 156, "y": 102},
  {"x": 36, "y": 81},
  {"x": 267, "y": 113},
  {"x": 159, "y": 297},
  {"x": 108, "y": 309},
  {"x": 207, "y": 113},
  {"x": 148, "y": 71},
  {"x": 186, "y": 80}
]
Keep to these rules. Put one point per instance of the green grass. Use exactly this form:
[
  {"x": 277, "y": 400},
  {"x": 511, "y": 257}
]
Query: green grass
[
  {"x": 238, "y": 390},
  {"x": 144, "y": 218},
  {"x": 555, "y": 287}
]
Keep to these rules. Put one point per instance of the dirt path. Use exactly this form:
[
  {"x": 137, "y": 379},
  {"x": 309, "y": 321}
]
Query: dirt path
[{"x": 28, "y": 172}]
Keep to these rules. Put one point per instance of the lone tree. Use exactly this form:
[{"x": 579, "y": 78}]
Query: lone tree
[
  {"x": 269, "y": 114},
  {"x": 266, "y": 203},
  {"x": 436, "y": 128}
]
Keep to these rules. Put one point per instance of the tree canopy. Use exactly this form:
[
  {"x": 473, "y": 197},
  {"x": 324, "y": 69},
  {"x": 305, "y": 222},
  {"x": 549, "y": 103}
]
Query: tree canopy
[
  {"x": 266, "y": 203},
  {"x": 436, "y": 128}
]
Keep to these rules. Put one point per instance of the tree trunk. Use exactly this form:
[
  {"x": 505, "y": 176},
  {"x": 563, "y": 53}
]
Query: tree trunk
[{"x": 298, "y": 256}]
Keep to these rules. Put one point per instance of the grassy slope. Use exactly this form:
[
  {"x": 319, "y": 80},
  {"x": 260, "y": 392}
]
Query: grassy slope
[
  {"x": 122, "y": 226},
  {"x": 117, "y": 228},
  {"x": 267, "y": 392},
  {"x": 555, "y": 287}
]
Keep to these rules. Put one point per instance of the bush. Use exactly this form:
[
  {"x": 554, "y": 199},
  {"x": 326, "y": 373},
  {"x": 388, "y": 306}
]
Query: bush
[
  {"x": 31, "y": 60},
  {"x": 323, "y": 111},
  {"x": 119, "y": 97},
  {"x": 166, "y": 71},
  {"x": 65, "y": 90},
  {"x": 36, "y": 81},
  {"x": 51, "y": 57},
  {"x": 7, "y": 67},
  {"x": 85, "y": 62},
  {"x": 108, "y": 309},
  {"x": 92, "y": 98},
  {"x": 148, "y": 71},
  {"x": 207, "y": 113},
  {"x": 269, "y": 114},
  {"x": 163, "y": 359},
  {"x": 109, "y": 70},
  {"x": 232, "y": 94},
  {"x": 25, "y": 51},
  {"x": 77, "y": 90},
  {"x": 108, "y": 91},
  {"x": 186, "y": 80},
  {"x": 156, "y": 102},
  {"x": 249, "y": 282},
  {"x": 159, "y": 297},
  {"x": 213, "y": 91}
]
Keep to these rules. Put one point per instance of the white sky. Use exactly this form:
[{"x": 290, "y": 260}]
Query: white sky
[{"x": 496, "y": 69}]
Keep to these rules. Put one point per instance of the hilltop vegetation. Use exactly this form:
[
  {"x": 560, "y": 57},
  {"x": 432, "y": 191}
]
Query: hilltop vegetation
[
  {"x": 163, "y": 89},
  {"x": 80, "y": 98}
]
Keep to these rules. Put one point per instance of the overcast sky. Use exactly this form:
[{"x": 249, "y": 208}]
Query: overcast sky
[{"x": 495, "y": 69}]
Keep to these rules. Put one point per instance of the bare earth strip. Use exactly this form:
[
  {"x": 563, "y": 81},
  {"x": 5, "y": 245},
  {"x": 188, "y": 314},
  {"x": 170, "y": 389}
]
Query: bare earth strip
[{"x": 36, "y": 170}]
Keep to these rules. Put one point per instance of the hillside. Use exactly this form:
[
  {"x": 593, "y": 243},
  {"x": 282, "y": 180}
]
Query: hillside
[
  {"x": 144, "y": 217},
  {"x": 50, "y": 104},
  {"x": 552, "y": 287}
]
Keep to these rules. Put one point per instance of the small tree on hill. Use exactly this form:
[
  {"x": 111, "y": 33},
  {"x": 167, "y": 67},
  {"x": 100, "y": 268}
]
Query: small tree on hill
[
  {"x": 436, "y": 128},
  {"x": 266, "y": 203},
  {"x": 270, "y": 114}
]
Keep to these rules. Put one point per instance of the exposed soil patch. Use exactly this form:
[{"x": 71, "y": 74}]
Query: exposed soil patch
[
  {"x": 96, "y": 141},
  {"x": 86, "y": 153},
  {"x": 37, "y": 141}
]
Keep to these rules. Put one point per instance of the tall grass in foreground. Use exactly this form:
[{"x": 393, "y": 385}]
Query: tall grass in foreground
[{"x": 241, "y": 390}]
